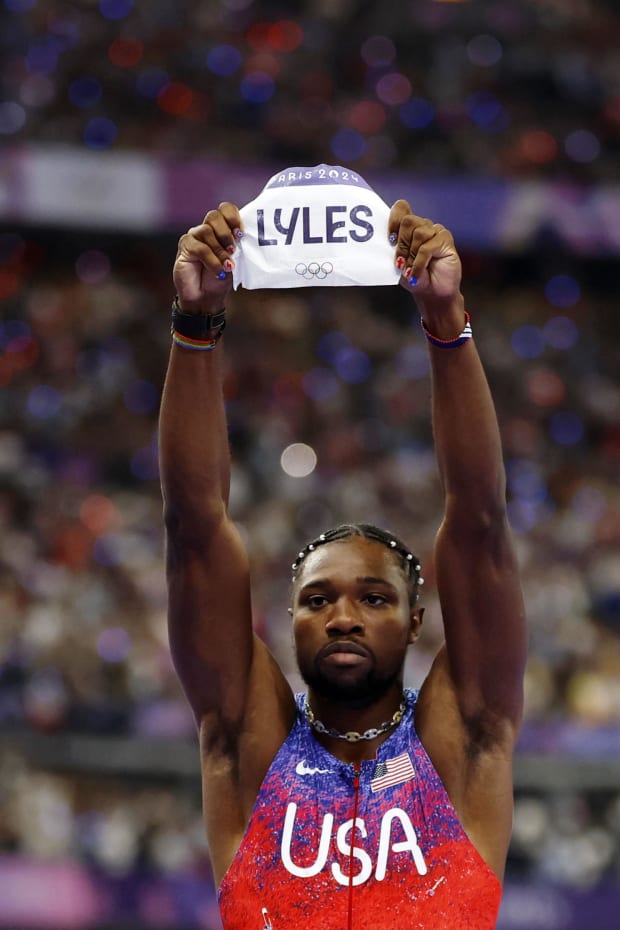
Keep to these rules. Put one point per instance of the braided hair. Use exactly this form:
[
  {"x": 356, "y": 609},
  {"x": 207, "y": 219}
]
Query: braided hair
[{"x": 408, "y": 562}]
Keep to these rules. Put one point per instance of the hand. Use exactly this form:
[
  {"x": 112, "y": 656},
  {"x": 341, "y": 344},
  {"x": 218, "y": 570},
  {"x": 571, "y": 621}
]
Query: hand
[
  {"x": 427, "y": 256},
  {"x": 203, "y": 266}
]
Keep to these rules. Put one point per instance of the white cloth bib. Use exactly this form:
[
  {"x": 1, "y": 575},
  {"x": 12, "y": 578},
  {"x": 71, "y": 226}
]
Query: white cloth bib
[{"x": 315, "y": 226}]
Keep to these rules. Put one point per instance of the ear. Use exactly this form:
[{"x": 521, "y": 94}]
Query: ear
[{"x": 415, "y": 623}]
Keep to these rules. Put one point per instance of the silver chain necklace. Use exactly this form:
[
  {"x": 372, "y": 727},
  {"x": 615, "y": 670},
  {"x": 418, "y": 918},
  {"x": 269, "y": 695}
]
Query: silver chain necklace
[{"x": 353, "y": 736}]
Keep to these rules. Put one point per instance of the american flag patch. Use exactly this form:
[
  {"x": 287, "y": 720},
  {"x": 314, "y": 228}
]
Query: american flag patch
[{"x": 392, "y": 772}]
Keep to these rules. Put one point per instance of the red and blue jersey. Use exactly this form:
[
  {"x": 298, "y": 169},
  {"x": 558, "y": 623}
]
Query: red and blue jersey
[{"x": 375, "y": 845}]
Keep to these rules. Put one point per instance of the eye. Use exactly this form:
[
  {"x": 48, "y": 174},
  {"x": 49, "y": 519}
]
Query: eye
[
  {"x": 315, "y": 601},
  {"x": 375, "y": 600}
]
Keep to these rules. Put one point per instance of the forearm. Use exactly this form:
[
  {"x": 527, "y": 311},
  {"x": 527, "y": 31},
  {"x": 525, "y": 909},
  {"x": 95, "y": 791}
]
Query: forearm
[
  {"x": 193, "y": 440},
  {"x": 465, "y": 428}
]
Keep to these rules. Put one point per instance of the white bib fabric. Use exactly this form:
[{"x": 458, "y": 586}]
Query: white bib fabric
[{"x": 315, "y": 226}]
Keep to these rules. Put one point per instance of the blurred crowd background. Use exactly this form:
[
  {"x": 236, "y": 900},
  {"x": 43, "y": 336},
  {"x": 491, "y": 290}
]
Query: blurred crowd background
[{"x": 328, "y": 403}]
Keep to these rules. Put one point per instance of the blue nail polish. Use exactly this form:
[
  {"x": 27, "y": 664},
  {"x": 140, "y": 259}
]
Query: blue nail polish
[
  {"x": 393, "y": 238},
  {"x": 222, "y": 275},
  {"x": 413, "y": 280},
  {"x": 239, "y": 234}
]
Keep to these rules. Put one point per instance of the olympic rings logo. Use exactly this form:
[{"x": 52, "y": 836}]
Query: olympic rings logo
[{"x": 314, "y": 270}]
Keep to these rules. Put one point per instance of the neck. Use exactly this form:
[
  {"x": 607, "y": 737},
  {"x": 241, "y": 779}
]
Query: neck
[{"x": 354, "y": 734}]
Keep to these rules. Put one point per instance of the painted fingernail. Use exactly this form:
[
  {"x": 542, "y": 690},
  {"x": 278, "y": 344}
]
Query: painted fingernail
[
  {"x": 228, "y": 264},
  {"x": 393, "y": 238},
  {"x": 239, "y": 233},
  {"x": 230, "y": 248},
  {"x": 221, "y": 275},
  {"x": 407, "y": 271},
  {"x": 413, "y": 280},
  {"x": 400, "y": 262}
]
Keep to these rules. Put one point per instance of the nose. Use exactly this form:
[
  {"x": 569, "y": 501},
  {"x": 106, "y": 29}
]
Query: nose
[{"x": 344, "y": 618}]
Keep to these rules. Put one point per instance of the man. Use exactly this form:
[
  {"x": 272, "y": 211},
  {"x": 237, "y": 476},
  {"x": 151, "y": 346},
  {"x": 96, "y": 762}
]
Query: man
[{"x": 336, "y": 810}]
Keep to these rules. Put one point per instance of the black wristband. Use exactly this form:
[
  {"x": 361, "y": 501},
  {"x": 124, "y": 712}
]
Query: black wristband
[{"x": 197, "y": 325}]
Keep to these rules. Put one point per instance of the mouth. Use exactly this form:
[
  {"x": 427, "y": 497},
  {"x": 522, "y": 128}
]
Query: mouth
[{"x": 343, "y": 653}]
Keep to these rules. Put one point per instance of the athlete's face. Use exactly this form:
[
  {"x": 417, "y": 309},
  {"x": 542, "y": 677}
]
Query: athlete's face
[{"x": 352, "y": 620}]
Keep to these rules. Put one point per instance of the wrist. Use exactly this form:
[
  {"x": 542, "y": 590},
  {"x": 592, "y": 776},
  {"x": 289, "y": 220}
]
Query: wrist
[
  {"x": 199, "y": 331},
  {"x": 204, "y": 307},
  {"x": 444, "y": 319}
]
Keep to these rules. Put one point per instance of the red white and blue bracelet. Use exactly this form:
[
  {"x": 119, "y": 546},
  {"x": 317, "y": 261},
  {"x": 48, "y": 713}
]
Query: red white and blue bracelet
[{"x": 449, "y": 343}]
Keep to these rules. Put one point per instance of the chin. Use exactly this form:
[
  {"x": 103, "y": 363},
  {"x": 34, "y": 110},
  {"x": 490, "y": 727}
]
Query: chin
[{"x": 345, "y": 689}]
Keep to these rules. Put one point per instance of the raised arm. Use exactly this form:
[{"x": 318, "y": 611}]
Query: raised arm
[
  {"x": 230, "y": 679},
  {"x": 471, "y": 703}
]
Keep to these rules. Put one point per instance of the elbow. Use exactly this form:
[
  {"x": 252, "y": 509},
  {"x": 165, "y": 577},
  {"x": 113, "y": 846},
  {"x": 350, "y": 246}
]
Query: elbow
[
  {"x": 482, "y": 512},
  {"x": 192, "y": 527}
]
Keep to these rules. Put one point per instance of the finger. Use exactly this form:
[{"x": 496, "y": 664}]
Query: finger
[
  {"x": 223, "y": 237},
  {"x": 230, "y": 212},
  {"x": 412, "y": 231},
  {"x": 399, "y": 210},
  {"x": 200, "y": 245},
  {"x": 438, "y": 244}
]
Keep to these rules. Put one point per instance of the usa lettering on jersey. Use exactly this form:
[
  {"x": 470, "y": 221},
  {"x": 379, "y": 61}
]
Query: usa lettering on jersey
[{"x": 385, "y": 847}]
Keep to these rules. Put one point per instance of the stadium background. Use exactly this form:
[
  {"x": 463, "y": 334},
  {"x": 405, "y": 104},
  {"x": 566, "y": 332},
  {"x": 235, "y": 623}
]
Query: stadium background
[{"x": 122, "y": 122}]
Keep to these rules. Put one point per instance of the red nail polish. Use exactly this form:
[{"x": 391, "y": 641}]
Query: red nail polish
[
  {"x": 228, "y": 264},
  {"x": 400, "y": 261}
]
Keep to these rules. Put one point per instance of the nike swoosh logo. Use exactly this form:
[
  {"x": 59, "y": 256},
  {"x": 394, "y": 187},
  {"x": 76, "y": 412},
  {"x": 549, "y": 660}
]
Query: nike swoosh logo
[{"x": 303, "y": 769}]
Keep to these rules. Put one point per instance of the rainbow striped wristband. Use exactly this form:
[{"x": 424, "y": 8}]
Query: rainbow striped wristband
[
  {"x": 449, "y": 343},
  {"x": 199, "y": 345},
  {"x": 198, "y": 331}
]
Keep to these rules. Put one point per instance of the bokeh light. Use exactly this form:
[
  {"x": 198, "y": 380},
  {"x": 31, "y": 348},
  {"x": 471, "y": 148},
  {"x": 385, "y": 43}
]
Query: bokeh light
[
  {"x": 99, "y": 514},
  {"x": 44, "y": 402},
  {"x": 582, "y": 146},
  {"x": 589, "y": 503},
  {"x": 298, "y": 460},
  {"x": 393, "y": 89},
  {"x": 257, "y": 87},
  {"x": 561, "y": 332},
  {"x": 367, "y": 116},
  {"x": 175, "y": 98},
  {"x": 115, "y": 9},
  {"x": 330, "y": 344},
  {"x": 85, "y": 92},
  {"x": 352, "y": 365},
  {"x": 484, "y": 50},
  {"x": 566, "y": 428},
  {"x": 100, "y": 133},
  {"x": 562, "y": 291},
  {"x": 151, "y": 81},
  {"x": 37, "y": 90},
  {"x": 378, "y": 51},
  {"x": 42, "y": 56},
  {"x": 224, "y": 60},
  {"x": 12, "y": 117},
  {"x": 528, "y": 341},
  {"x": 417, "y": 113},
  {"x": 92, "y": 266},
  {"x": 320, "y": 384},
  {"x": 486, "y": 111},
  {"x": 538, "y": 146},
  {"x": 285, "y": 36},
  {"x": 20, "y": 6},
  {"x": 114, "y": 644},
  {"x": 545, "y": 388},
  {"x": 126, "y": 52},
  {"x": 348, "y": 145}
]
